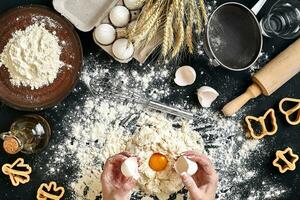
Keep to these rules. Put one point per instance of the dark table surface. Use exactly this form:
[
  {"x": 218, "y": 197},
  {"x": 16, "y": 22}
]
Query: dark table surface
[{"x": 289, "y": 135}]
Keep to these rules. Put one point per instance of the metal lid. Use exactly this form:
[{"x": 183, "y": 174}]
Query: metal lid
[{"x": 11, "y": 145}]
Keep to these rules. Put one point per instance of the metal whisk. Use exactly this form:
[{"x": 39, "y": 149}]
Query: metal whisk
[{"x": 103, "y": 87}]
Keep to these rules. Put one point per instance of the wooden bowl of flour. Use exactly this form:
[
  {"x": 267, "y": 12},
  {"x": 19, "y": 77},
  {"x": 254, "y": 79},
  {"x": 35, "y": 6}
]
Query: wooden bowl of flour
[{"x": 25, "y": 98}]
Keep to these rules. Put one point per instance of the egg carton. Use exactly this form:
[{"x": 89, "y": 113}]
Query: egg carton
[{"x": 87, "y": 15}]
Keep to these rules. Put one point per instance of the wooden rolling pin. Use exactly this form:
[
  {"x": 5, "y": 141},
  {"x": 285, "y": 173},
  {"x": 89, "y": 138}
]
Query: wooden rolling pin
[{"x": 271, "y": 77}]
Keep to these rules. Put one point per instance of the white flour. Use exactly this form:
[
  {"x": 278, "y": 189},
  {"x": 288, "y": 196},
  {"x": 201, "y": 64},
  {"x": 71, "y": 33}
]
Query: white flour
[
  {"x": 32, "y": 57},
  {"x": 157, "y": 134},
  {"x": 95, "y": 133}
]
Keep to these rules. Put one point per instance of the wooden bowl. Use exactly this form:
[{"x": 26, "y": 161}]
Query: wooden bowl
[{"x": 24, "y": 98}]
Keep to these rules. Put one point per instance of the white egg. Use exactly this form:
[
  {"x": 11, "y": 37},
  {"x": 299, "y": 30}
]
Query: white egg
[
  {"x": 183, "y": 164},
  {"x": 185, "y": 75},
  {"x": 206, "y": 96},
  {"x": 105, "y": 34},
  {"x": 119, "y": 16},
  {"x": 123, "y": 49},
  {"x": 129, "y": 168},
  {"x": 133, "y": 4}
]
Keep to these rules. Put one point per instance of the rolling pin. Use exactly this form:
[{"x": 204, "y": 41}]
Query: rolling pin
[{"x": 271, "y": 77}]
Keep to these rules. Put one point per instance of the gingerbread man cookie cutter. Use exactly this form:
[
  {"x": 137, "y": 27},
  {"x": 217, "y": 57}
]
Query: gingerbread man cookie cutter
[
  {"x": 291, "y": 111},
  {"x": 289, "y": 164},
  {"x": 17, "y": 176},
  {"x": 262, "y": 121},
  {"x": 50, "y": 192}
]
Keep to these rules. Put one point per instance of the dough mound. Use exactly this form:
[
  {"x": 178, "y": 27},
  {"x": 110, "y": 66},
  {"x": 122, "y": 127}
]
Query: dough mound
[{"x": 159, "y": 134}]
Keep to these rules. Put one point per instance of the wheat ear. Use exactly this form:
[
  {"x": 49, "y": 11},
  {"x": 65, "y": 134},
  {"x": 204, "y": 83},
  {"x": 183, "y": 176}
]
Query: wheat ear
[
  {"x": 179, "y": 39},
  {"x": 146, "y": 28},
  {"x": 167, "y": 29},
  {"x": 203, "y": 11},
  {"x": 145, "y": 12},
  {"x": 189, "y": 29}
]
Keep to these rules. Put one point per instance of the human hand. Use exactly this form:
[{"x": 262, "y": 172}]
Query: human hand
[
  {"x": 202, "y": 185},
  {"x": 115, "y": 186}
]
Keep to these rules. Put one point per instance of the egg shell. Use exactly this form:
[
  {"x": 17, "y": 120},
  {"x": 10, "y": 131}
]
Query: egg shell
[
  {"x": 123, "y": 49},
  {"x": 129, "y": 168},
  {"x": 119, "y": 16},
  {"x": 105, "y": 34},
  {"x": 206, "y": 96},
  {"x": 133, "y": 4},
  {"x": 185, "y": 75},
  {"x": 183, "y": 164}
]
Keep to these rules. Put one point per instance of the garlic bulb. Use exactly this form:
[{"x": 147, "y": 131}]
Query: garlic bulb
[
  {"x": 119, "y": 16},
  {"x": 123, "y": 49},
  {"x": 206, "y": 96},
  {"x": 105, "y": 34},
  {"x": 129, "y": 168}
]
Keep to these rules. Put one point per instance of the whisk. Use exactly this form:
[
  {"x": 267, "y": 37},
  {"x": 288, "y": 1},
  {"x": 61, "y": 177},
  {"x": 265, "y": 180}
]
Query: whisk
[{"x": 104, "y": 87}]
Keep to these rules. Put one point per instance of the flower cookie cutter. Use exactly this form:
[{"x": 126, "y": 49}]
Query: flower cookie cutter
[
  {"x": 262, "y": 121},
  {"x": 289, "y": 164},
  {"x": 291, "y": 111},
  {"x": 16, "y": 175},
  {"x": 50, "y": 191}
]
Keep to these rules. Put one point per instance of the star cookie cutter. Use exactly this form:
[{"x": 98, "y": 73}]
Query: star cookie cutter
[
  {"x": 289, "y": 164},
  {"x": 50, "y": 192},
  {"x": 16, "y": 175},
  {"x": 262, "y": 121},
  {"x": 291, "y": 111}
]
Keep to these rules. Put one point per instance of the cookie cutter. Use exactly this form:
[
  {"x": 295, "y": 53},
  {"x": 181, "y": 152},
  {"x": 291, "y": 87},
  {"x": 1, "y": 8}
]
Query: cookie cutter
[
  {"x": 261, "y": 121},
  {"x": 291, "y": 111},
  {"x": 17, "y": 176},
  {"x": 290, "y": 164},
  {"x": 45, "y": 191}
]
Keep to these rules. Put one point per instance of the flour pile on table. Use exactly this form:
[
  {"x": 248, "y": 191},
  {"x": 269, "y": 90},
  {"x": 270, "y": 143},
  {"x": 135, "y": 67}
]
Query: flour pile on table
[
  {"x": 32, "y": 57},
  {"x": 156, "y": 134}
]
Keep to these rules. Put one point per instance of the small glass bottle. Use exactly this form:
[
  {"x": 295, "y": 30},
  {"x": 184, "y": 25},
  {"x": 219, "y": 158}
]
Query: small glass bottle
[{"x": 28, "y": 134}]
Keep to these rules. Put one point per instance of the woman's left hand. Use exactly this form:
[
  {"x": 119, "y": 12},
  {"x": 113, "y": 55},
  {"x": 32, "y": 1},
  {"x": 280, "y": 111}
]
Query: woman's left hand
[{"x": 115, "y": 185}]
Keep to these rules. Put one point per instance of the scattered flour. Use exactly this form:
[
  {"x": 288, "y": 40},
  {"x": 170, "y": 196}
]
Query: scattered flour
[
  {"x": 32, "y": 57},
  {"x": 155, "y": 134},
  {"x": 99, "y": 128}
]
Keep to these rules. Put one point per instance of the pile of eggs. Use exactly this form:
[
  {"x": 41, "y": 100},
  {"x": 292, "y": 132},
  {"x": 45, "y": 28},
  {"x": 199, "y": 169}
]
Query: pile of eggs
[{"x": 109, "y": 35}]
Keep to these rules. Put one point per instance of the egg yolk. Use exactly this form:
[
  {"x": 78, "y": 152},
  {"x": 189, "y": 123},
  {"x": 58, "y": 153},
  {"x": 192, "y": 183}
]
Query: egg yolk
[{"x": 158, "y": 162}]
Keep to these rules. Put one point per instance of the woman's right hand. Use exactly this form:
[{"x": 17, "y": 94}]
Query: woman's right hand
[{"x": 202, "y": 185}]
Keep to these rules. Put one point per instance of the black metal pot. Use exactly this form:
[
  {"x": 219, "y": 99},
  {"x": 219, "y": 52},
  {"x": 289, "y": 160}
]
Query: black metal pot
[{"x": 233, "y": 36}]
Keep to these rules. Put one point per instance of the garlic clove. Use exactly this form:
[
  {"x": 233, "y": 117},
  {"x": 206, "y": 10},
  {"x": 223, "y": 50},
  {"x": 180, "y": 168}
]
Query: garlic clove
[
  {"x": 129, "y": 168},
  {"x": 206, "y": 96},
  {"x": 185, "y": 75},
  {"x": 105, "y": 34},
  {"x": 133, "y": 4},
  {"x": 123, "y": 49},
  {"x": 183, "y": 164},
  {"x": 119, "y": 16}
]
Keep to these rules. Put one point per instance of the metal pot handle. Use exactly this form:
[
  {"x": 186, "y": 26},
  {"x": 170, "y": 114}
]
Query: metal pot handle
[{"x": 257, "y": 7}]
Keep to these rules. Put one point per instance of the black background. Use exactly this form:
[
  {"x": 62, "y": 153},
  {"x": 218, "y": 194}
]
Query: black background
[{"x": 286, "y": 136}]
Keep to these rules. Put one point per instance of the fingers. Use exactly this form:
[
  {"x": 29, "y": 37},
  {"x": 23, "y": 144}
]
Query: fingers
[
  {"x": 203, "y": 162},
  {"x": 115, "y": 162},
  {"x": 112, "y": 163},
  {"x": 126, "y": 153},
  {"x": 190, "y": 185},
  {"x": 206, "y": 165}
]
